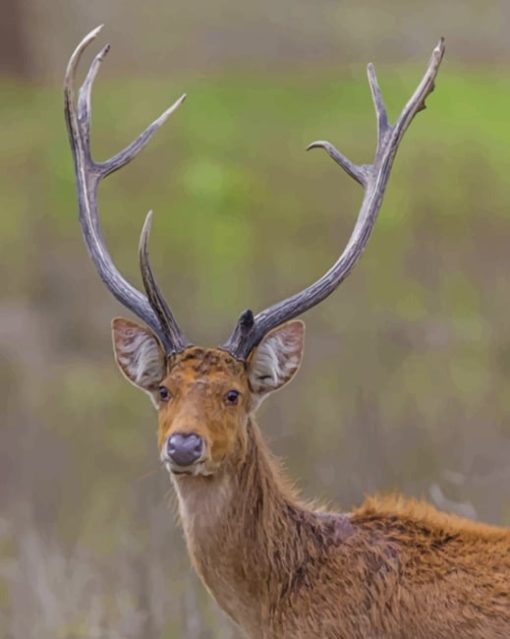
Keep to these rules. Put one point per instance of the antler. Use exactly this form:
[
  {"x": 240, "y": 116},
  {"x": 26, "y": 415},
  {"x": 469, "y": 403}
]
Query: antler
[
  {"x": 152, "y": 309},
  {"x": 373, "y": 178}
]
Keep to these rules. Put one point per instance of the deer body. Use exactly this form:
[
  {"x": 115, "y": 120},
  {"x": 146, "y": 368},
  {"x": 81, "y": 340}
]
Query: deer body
[
  {"x": 393, "y": 569},
  {"x": 389, "y": 570}
]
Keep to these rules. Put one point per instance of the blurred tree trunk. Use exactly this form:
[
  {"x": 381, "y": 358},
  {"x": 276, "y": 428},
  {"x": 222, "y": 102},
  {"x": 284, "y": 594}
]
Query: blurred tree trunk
[{"x": 15, "y": 58}]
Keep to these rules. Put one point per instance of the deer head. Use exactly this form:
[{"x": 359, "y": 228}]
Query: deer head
[{"x": 205, "y": 396}]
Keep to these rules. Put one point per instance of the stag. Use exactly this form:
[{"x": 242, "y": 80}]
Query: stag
[{"x": 390, "y": 569}]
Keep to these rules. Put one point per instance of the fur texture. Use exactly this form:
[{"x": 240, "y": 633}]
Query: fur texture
[{"x": 392, "y": 569}]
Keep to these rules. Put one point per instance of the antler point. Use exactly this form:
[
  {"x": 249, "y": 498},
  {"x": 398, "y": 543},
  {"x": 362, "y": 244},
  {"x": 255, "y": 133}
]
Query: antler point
[
  {"x": 104, "y": 52},
  {"x": 439, "y": 49},
  {"x": 178, "y": 102},
  {"x": 319, "y": 144},
  {"x": 95, "y": 32},
  {"x": 148, "y": 221}
]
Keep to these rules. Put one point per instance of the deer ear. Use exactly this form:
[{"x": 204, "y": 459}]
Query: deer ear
[
  {"x": 138, "y": 354},
  {"x": 277, "y": 358}
]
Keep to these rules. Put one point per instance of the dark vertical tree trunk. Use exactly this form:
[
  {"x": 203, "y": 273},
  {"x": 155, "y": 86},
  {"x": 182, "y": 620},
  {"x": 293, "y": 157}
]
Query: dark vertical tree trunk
[{"x": 15, "y": 59}]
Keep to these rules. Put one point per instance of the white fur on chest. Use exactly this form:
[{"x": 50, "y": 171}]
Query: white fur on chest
[{"x": 203, "y": 504}]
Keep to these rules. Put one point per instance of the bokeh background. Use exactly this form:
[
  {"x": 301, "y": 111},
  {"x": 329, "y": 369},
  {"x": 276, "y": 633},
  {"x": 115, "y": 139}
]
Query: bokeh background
[{"x": 405, "y": 384}]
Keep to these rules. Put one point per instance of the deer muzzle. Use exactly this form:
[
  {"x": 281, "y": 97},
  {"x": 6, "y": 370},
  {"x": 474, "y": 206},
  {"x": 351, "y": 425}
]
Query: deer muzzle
[{"x": 183, "y": 450}]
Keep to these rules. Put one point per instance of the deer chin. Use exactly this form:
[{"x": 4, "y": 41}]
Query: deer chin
[{"x": 202, "y": 468}]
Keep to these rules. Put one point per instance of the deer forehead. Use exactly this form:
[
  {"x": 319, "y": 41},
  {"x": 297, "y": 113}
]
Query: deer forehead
[{"x": 205, "y": 368}]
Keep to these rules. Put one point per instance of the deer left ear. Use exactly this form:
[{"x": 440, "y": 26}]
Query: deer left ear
[{"x": 277, "y": 358}]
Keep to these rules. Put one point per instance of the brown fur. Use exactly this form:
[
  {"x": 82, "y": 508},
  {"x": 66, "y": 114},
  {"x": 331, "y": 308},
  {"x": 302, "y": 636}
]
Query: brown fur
[
  {"x": 392, "y": 569},
  {"x": 281, "y": 570}
]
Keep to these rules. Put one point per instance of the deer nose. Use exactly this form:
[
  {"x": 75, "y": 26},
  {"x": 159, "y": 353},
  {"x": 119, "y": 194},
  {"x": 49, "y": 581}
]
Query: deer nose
[{"x": 184, "y": 448}]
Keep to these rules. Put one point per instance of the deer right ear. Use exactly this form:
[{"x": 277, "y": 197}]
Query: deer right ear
[{"x": 138, "y": 354}]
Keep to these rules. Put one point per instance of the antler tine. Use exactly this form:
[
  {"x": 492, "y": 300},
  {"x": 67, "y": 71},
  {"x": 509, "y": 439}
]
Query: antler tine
[
  {"x": 373, "y": 178},
  {"x": 126, "y": 155},
  {"x": 156, "y": 299},
  {"x": 383, "y": 126},
  {"x": 88, "y": 176}
]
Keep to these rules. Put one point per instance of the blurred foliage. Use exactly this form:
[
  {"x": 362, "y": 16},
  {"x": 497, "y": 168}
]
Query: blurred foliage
[
  {"x": 168, "y": 37},
  {"x": 405, "y": 383}
]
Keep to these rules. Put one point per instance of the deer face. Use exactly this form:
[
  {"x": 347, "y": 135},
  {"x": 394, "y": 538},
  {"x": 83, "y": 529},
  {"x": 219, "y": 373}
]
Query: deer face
[{"x": 205, "y": 396}]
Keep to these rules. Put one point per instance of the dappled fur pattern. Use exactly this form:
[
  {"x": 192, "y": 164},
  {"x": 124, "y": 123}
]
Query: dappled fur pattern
[{"x": 391, "y": 569}]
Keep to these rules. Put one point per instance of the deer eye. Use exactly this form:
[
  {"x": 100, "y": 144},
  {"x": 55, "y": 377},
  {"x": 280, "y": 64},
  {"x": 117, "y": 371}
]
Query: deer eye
[
  {"x": 232, "y": 397},
  {"x": 164, "y": 394}
]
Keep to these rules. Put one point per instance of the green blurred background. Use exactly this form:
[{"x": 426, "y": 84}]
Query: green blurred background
[{"x": 405, "y": 382}]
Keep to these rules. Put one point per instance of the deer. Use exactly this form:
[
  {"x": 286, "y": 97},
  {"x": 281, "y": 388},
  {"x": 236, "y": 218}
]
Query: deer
[{"x": 392, "y": 568}]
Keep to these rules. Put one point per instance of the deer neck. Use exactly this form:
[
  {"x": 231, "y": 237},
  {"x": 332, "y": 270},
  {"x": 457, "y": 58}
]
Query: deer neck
[{"x": 240, "y": 527}]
